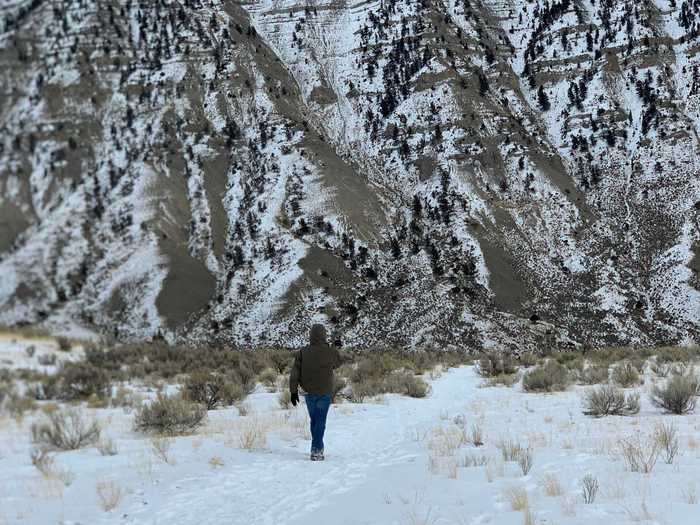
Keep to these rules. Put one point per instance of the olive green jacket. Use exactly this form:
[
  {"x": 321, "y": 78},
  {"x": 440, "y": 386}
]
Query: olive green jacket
[{"x": 313, "y": 366}]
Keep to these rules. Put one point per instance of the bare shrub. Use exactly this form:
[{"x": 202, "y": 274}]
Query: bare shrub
[
  {"x": 169, "y": 415},
  {"x": 678, "y": 395},
  {"x": 160, "y": 446},
  {"x": 414, "y": 516},
  {"x": 608, "y": 400},
  {"x": 595, "y": 374},
  {"x": 243, "y": 409},
  {"x": 528, "y": 517},
  {"x": 17, "y": 405},
  {"x": 212, "y": 389},
  {"x": 410, "y": 385},
  {"x": 674, "y": 354},
  {"x": 496, "y": 364},
  {"x": 666, "y": 437},
  {"x": 285, "y": 399},
  {"x": 525, "y": 460},
  {"x": 476, "y": 434},
  {"x": 632, "y": 403},
  {"x": 625, "y": 375},
  {"x": 80, "y": 380},
  {"x": 66, "y": 430},
  {"x": 365, "y": 385},
  {"x": 551, "y": 485},
  {"x": 550, "y": 377},
  {"x": 690, "y": 493},
  {"x": 109, "y": 494},
  {"x": 444, "y": 442},
  {"x": 640, "y": 455},
  {"x": 589, "y": 488},
  {"x": 107, "y": 447},
  {"x": 6, "y": 390},
  {"x": 507, "y": 380},
  {"x": 517, "y": 498},
  {"x": 252, "y": 436},
  {"x": 268, "y": 378},
  {"x": 471, "y": 460},
  {"x": 43, "y": 461},
  {"x": 510, "y": 449}
]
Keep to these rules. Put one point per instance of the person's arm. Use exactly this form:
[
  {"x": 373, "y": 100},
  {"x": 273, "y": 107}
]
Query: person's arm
[{"x": 295, "y": 374}]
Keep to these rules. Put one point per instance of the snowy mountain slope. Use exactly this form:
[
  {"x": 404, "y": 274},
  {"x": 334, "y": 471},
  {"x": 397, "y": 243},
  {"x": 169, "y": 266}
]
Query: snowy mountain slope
[{"x": 414, "y": 172}]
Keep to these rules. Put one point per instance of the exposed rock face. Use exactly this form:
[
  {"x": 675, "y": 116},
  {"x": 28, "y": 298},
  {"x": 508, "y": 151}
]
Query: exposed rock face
[{"x": 475, "y": 173}]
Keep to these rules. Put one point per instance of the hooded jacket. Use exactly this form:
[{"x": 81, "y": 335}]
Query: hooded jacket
[{"x": 314, "y": 364}]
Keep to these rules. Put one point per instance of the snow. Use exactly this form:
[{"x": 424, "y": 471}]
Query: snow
[
  {"x": 387, "y": 463},
  {"x": 14, "y": 353}
]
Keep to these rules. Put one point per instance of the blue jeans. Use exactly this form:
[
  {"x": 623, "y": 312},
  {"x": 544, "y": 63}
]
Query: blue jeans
[{"x": 318, "y": 406}]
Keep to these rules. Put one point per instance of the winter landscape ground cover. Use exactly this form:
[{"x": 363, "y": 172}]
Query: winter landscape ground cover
[{"x": 473, "y": 450}]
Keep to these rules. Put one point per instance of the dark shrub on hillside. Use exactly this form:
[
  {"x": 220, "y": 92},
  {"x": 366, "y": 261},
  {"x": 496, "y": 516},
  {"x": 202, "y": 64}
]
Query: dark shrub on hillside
[
  {"x": 81, "y": 380},
  {"x": 169, "y": 415},
  {"x": 679, "y": 394},
  {"x": 550, "y": 377},
  {"x": 64, "y": 344}
]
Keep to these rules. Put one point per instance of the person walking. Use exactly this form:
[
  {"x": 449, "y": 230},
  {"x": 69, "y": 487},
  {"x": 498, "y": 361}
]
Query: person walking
[{"x": 313, "y": 371}]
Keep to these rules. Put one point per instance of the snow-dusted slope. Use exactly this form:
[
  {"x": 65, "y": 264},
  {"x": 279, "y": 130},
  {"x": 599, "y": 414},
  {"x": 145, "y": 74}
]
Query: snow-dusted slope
[{"x": 415, "y": 172}]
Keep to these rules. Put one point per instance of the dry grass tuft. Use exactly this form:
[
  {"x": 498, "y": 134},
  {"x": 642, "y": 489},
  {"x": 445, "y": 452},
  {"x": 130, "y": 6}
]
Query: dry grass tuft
[
  {"x": 639, "y": 454},
  {"x": 109, "y": 494},
  {"x": 551, "y": 485},
  {"x": 160, "y": 447},
  {"x": 65, "y": 430},
  {"x": 252, "y": 435},
  {"x": 107, "y": 447},
  {"x": 525, "y": 460},
  {"x": 589, "y": 488},
  {"x": 216, "y": 462},
  {"x": 666, "y": 437},
  {"x": 517, "y": 498}
]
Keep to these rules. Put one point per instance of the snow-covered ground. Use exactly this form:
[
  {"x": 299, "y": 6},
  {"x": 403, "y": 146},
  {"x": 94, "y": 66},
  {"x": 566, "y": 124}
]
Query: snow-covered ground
[{"x": 394, "y": 461}]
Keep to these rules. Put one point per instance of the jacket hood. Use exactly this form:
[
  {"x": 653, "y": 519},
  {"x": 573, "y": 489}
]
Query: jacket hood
[{"x": 318, "y": 335}]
